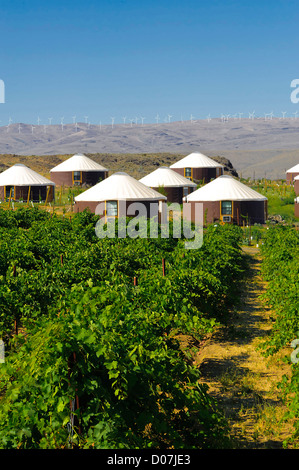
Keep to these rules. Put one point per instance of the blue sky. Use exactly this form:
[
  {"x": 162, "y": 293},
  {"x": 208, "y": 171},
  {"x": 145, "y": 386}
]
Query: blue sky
[{"x": 129, "y": 58}]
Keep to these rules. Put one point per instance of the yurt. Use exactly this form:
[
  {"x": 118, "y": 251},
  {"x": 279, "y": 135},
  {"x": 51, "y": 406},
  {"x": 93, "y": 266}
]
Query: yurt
[
  {"x": 77, "y": 170},
  {"x": 226, "y": 199},
  {"x": 173, "y": 185},
  {"x": 297, "y": 207},
  {"x": 198, "y": 167},
  {"x": 291, "y": 173},
  {"x": 296, "y": 185},
  {"x": 21, "y": 183},
  {"x": 119, "y": 187}
]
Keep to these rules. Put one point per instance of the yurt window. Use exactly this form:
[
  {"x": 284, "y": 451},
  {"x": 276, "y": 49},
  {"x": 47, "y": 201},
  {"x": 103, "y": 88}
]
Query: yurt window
[
  {"x": 77, "y": 177},
  {"x": 111, "y": 208},
  {"x": 7, "y": 191},
  {"x": 226, "y": 207},
  {"x": 188, "y": 173}
]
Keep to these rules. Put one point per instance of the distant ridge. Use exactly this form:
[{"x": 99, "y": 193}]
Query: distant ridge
[{"x": 256, "y": 147}]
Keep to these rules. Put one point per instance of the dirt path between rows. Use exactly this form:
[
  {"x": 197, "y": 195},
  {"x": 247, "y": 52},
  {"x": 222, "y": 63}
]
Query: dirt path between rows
[{"x": 241, "y": 379}]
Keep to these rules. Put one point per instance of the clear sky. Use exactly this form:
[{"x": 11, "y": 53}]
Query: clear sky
[{"x": 140, "y": 58}]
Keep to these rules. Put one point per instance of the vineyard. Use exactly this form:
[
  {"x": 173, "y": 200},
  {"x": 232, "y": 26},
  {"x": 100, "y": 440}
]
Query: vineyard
[
  {"x": 281, "y": 270},
  {"x": 95, "y": 333}
]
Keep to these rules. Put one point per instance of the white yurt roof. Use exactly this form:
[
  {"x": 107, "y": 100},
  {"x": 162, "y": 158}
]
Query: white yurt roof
[
  {"x": 21, "y": 175},
  {"x": 225, "y": 188},
  {"x": 196, "y": 160},
  {"x": 79, "y": 162},
  {"x": 294, "y": 169},
  {"x": 119, "y": 186},
  {"x": 164, "y": 176}
]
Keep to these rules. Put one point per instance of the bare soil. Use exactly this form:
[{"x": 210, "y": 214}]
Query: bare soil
[{"x": 242, "y": 380}]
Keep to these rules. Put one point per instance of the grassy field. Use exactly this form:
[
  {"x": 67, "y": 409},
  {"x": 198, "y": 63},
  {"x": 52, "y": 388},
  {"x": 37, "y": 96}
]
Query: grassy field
[{"x": 280, "y": 198}]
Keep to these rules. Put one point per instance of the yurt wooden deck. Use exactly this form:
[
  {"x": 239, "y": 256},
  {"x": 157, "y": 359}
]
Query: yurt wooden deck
[
  {"x": 291, "y": 173},
  {"x": 173, "y": 185},
  {"x": 78, "y": 170},
  {"x": 119, "y": 187},
  {"x": 227, "y": 200},
  {"x": 198, "y": 167},
  {"x": 20, "y": 183}
]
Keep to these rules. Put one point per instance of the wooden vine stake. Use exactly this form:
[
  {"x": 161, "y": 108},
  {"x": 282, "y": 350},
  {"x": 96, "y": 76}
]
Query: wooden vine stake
[
  {"x": 163, "y": 266},
  {"x": 74, "y": 404},
  {"x": 16, "y": 316},
  {"x": 135, "y": 281}
]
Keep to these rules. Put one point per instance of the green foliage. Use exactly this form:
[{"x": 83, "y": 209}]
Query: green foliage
[
  {"x": 136, "y": 387},
  {"x": 281, "y": 270}
]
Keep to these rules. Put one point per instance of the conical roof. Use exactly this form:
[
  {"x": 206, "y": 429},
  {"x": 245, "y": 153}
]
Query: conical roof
[
  {"x": 79, "y": 162},
  {"x": 225, "y": 188},
  {"x": 21, "y": 175},
  {"x": 164, "y": 176},
  {"x": 119, "y": 186},
  {"x": 294, "y": 169},
  {"x": 196, "y": 160}
]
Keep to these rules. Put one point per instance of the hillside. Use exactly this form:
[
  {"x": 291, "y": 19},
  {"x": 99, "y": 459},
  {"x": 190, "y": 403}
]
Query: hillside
[
  {"x": 257, "y": 148},
  {"x": 137, "y": 165}
]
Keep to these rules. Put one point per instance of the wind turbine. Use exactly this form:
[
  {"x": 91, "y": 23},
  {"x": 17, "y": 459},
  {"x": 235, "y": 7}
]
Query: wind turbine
[
  {"x": 209, "y": 118},
  {"x": 86, "y": 117},
  {"x": 142, "y": 119},
  {"x": 131, "y": 121},
  {"x": 283, "y": 114},
  {"x": 32, "y": 127},
  {"x": 62, "y": 123},
  {"x": 157, "y": 118},
  {"x": 9, "y": 121},
  {"x": 295, "y": 114},
  {"x": 50, "y": 120},
  {"x": 124, "y": 119},
  {"x": 191, "y": 119},
  {"x": 38, "y": 120},
  {"x": 251, "y": 115},
  {"x": 169, "y": 116},
  {"x": 112, "y": 121},
  {"x": 240, "y": 114},
  {"x": 74, "y": 119},
  {"x": 19, "y": 128}
]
